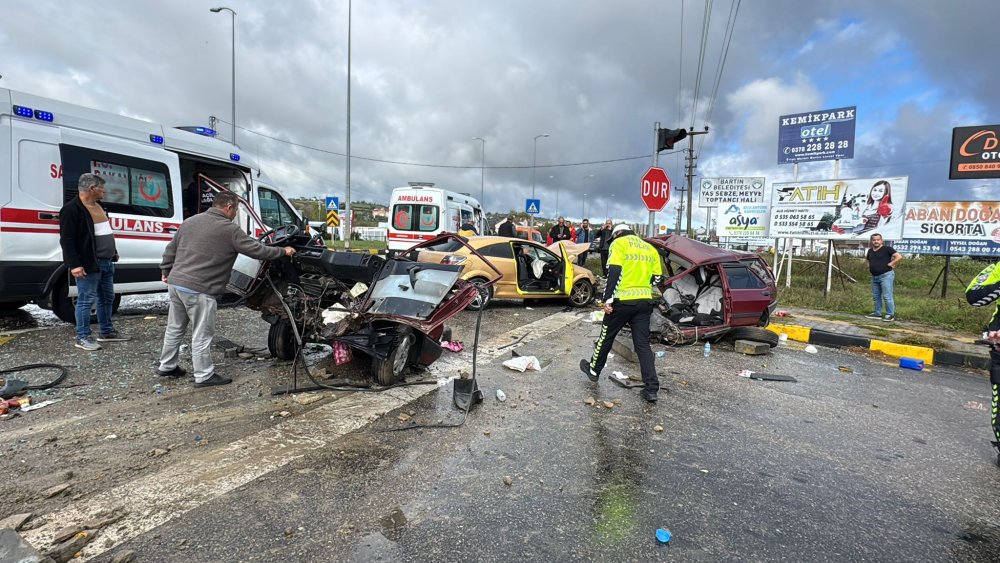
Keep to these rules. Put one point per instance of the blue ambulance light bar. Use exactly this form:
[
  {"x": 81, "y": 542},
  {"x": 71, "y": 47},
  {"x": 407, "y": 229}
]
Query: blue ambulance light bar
[
  {"x": 156, "y": 139},
  {"x": 234, "y": 157},
  {"x": 22, "y": 111},
  {"x": 205, "y": 131}
]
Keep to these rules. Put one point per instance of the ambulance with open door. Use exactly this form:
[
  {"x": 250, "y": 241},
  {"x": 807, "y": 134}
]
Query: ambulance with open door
[
  {"x": 45, "y": 145},
  {"x": 420, "y": 212}
]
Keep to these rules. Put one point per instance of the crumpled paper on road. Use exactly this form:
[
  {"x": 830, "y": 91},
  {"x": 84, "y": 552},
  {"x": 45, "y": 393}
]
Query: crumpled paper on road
[{"x": 523, "y": 363}]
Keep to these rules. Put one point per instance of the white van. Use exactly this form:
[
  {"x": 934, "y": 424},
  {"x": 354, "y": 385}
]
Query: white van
[
  {"x": 45, "y": 145},
  {"x": 420, "y": 212}
]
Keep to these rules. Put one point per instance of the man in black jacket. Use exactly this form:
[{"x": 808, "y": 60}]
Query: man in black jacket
[
  {"x": 559, "y": 231},
  {"x": 88, "y": 248},
  {"x": 507, "y": 228},
  {"x": 604, "y": 235}
]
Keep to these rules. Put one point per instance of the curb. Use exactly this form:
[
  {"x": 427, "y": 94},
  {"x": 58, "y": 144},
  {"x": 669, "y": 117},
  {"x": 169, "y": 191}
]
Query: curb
[{"x": 837, "y": 340}]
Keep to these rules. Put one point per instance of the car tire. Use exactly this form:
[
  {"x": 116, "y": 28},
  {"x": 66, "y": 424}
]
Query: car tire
[
  {"x": 581, "y": 294},
  {"x": 281, "y": 340},
  {"x": 755, "y": 334},
  {"x": 64, "y": 306},
  {"x": 390, "y": 370},
  {"x": 485, "y": 295}
]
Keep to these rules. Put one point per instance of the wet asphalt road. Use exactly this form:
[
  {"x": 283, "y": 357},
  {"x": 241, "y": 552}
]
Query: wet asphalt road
[{"x": 879, "y": 464}]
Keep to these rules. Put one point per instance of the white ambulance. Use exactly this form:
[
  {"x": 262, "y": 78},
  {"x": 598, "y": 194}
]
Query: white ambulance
[
  {"x": 45, "y": 145},
  {"x": 420, "y": 212}
]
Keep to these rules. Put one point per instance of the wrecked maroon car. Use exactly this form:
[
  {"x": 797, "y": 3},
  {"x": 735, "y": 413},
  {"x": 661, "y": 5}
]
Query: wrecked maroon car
[
  {"x": 709, "y": 292},
  {"x": 393, "y": 310}
]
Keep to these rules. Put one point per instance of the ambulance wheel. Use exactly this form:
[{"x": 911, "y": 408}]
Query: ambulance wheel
[
  {"x": 281, "y": 340},
  {"x": 64, "y": 306},
  {"x": 390, "y": 370}
]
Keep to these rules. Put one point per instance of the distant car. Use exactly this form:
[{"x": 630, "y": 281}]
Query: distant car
[
  {"x": 522, "y": 233},
  {"x": 709, "y": 291},
  {"x": 529, "y": 270}
]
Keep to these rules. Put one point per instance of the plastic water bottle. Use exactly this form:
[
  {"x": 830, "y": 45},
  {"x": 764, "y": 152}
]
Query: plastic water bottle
[{"x": 707, "y": 350}]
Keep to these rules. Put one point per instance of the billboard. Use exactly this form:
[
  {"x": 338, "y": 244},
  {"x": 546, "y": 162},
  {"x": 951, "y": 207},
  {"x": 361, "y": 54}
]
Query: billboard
[
  {"x": 738, "y": 189},
  {"x": 839, "y": 209},
  {"x": 943, "y": 247},
  {"x": 952, "y": 220},
  {"x": 975, "y": 152},
  {"x": 742, "y": 220},
  {"x": 817, "y": 135}
]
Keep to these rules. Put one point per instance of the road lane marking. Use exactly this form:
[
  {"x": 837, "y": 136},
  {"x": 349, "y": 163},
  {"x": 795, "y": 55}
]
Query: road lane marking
[{"x": 155, "y": 499}]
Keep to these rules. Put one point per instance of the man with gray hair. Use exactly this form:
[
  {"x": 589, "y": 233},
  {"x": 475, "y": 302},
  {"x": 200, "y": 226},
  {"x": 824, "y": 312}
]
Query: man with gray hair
[
  {"x": 88, "y": 248},
  {"x": 196, "y": 267}
]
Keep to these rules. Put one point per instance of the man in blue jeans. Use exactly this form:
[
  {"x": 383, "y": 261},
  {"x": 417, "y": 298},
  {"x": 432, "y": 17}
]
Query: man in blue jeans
[
  {"x": 882, "y": 262},
  {"x": 88, "y": 248}
]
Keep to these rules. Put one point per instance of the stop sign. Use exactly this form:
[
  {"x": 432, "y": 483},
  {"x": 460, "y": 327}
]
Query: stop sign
[{"x": 655, "y": 191}]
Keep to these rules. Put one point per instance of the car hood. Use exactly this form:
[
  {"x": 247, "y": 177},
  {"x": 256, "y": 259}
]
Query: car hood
[{"x": 695, "y": 252}]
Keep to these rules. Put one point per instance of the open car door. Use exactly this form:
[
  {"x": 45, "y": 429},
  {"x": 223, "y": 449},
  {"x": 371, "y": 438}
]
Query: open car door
[{"x": 567, "y": 271}]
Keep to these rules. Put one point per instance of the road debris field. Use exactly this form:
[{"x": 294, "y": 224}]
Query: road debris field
[{"x": 848, "y": 458}]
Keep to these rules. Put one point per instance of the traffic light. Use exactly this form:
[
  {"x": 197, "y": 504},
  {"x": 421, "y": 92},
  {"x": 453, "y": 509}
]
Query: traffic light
[{"x": 665, "y": 138}]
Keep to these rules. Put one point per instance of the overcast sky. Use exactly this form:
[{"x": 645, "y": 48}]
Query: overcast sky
[{"x": 428, "y": 76}]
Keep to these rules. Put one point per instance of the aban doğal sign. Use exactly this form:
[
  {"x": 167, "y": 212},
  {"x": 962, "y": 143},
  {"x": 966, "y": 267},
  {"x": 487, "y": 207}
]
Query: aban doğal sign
[
  {"x": 839, "y": 209},
  {"x": 952, "y": 220}
]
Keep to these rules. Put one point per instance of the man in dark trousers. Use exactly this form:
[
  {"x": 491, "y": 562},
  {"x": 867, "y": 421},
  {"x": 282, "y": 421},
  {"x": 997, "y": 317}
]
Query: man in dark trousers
[
  {"x": 633, "y": 267},
  {"x": 507, "y": 228},
  {"x": 89, "y": 252},
  {"x": 196, "y": 267},
  {"x": 983, "y": 291},
  {"x": 882, "y": 262},
  {"x": 559, "y": 231},
  {"x": 584, "y": 235},
  {"x": 604, "y": 235}
]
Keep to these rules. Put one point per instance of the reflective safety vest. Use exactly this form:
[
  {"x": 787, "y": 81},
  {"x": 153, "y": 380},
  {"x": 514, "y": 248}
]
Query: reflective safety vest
[{"x": 639, "y": 262}]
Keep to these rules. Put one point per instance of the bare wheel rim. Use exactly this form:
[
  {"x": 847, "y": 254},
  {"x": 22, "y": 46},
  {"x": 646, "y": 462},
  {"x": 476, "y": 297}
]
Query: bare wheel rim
[
  {"x": 402, "y": 352},
  {"x": 581, "y": 293}
]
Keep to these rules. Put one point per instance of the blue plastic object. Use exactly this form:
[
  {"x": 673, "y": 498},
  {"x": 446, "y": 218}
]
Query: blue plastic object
[
  {"x": 911, "y": 363},
  {"x": 662, "y": 535}
]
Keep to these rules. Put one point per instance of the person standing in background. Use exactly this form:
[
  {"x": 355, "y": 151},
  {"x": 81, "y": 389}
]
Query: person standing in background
[
  {"x": 881, "y": 261},
  {"x": 89, "y": 252},
  {"x": 584, "y": 235},
  {"x": 604, "y": 236}
]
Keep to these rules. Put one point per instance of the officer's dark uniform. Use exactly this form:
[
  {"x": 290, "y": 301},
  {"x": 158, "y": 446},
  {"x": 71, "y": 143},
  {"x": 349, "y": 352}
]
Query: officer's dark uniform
[{"x": 984, "y": 290}]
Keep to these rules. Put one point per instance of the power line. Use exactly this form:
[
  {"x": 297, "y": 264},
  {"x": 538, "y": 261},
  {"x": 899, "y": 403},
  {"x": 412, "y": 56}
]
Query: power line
[
  {"x": 727, "y": 38},
  {"x": 705, "y": 23},
  {"x": 405, "y": 163}
]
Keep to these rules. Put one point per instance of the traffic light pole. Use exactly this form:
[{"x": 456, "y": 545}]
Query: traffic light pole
[{"x": 651, "y": 228}]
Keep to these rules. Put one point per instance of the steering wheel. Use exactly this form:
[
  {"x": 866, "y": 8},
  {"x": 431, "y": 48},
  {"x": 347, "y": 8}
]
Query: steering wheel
[{"x": 282, "y": 235}]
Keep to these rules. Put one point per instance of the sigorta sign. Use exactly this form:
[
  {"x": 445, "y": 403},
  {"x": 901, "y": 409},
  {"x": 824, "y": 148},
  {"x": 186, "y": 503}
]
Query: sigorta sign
[{"x": 975, "y": 152}]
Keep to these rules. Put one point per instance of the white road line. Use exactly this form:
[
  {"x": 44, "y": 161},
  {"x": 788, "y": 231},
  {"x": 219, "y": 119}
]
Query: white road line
[{"x": 155, "y": 499}]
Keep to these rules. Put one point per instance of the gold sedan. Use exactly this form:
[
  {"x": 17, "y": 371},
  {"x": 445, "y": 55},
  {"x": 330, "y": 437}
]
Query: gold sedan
[{"x": 529, "y": 270}]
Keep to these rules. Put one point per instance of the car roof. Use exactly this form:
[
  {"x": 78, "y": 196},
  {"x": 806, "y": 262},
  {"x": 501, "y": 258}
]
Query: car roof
[{"x": 695, "y": 251}]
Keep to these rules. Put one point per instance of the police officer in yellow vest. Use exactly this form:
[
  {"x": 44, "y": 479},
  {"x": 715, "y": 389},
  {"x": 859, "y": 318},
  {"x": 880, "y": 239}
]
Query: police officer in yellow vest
[{"x": 633, "y": 267}]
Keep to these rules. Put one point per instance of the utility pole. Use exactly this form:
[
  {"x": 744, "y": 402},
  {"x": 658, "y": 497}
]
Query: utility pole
[{"x": 691, "y": 165}]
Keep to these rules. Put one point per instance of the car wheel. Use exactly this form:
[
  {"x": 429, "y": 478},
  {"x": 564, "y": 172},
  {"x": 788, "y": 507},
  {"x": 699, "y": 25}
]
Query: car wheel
[
  {"x": 485, "y": 294},
  {"x": 64, "y": 306},
  {"x": 390, "y": 370},
  {"x": 755, "y": 334},
  {"x": 582, "y": 293},
  {"x": 281, "y": 340}
]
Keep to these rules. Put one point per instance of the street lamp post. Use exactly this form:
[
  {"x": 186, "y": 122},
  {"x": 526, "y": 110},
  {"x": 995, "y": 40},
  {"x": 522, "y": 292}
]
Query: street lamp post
[
  {"x": 587, "y": 177},
  {"x": 230, "y": 10},
  {"x": 606, "y": 202},
  {"x": 534, "y": 161},
  {"x": 482, "y": 175},
  {"x": 553, "y": 178}
]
